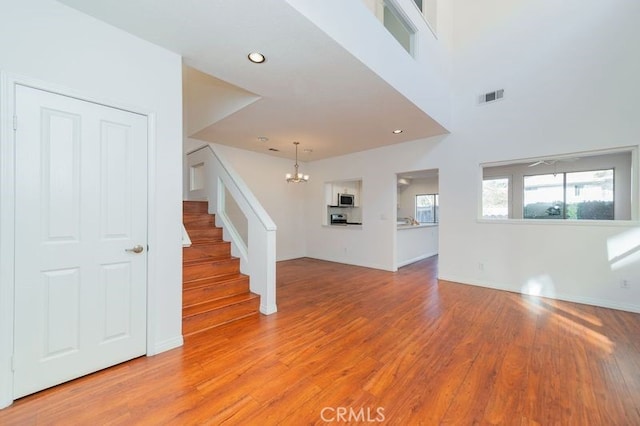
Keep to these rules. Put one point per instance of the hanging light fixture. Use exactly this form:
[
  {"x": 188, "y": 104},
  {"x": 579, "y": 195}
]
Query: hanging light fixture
[{"x": 296, "y": 177}]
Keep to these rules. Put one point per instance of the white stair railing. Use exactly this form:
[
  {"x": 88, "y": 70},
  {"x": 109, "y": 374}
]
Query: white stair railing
[{"x": 252, "y": 232}]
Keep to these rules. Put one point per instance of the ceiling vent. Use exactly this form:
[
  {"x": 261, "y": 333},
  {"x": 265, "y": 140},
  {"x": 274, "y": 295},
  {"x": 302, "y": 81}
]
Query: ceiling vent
[{"x": 491, "y": 96}]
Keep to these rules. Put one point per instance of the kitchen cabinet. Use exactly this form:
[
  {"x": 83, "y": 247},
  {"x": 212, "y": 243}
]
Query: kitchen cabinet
[
  {"x": 352, "y": 215},
  {"x": 343, "y": 187}
]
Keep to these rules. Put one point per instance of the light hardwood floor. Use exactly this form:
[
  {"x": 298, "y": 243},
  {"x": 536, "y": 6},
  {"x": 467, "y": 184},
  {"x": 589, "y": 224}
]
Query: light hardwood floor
[{"x": 351, "y": 343}]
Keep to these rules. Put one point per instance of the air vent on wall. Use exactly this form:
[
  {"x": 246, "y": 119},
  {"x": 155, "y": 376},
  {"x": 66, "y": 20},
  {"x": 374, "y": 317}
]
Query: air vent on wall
[{"x": 491, "y": 96}]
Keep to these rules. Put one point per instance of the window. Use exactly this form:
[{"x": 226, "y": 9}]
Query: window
[
  {"x": 570, "y": 195},
  {"x": 597, "y": 185},
  {"x": 544, "y": 196},
  {"x": 429, "y": 9},
  {"x": 592, "y": 196},
  {"x": 495, "y": 198},
  {"x": 398, "y": 25},
  {"x": 427, "y": 208}
]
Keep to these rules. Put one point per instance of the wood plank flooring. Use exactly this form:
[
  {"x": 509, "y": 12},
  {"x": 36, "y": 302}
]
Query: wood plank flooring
[{"x": 351, "y": 345}]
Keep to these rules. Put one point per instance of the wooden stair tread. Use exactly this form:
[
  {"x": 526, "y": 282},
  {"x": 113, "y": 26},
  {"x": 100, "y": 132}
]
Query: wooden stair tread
[
  {"x": 189, "y": 330},
  {"x": 214, "y": 262},
  {"x": 212, "y": 305},
  {"x": 218, "y": 268},
  {"x": 200, "y": 240},
  {"x": 197, "y": 214},
  {"x": 206, "y": 246},
  {"x": 215, "y": 280},
  {"x": 202, "y": 259},
  {"x": 214, "y": 291},
  {"x": 197, "y": 295},
  {"x": 223, "y": 314}
]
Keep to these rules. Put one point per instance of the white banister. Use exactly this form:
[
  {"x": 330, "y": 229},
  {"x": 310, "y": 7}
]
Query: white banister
[{"x": 258, "y": 253}]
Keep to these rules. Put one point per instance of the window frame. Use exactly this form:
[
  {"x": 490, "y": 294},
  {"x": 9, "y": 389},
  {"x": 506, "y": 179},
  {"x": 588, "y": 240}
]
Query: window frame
[
  {"x": 436, "y": 207},
  {"x": 564, "y": 193},
  {"x": 405, "y": 23},
  {"x": 625, "y": 159},
  {"x": 509, "y": 196}
]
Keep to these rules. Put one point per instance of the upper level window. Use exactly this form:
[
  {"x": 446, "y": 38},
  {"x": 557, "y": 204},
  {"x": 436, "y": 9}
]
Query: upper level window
[
  {"x": 402, "y": 21},
  {"x": 427, "y": 207},
  {"x": 429, "y": 9},
  {"x": 398, "y": 25}
]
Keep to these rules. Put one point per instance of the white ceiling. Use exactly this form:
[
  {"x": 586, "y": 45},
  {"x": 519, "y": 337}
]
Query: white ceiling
[{"x": 309, "y": 90}]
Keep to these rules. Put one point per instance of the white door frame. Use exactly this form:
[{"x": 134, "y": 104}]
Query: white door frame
[{"x": 7, "y": 218}]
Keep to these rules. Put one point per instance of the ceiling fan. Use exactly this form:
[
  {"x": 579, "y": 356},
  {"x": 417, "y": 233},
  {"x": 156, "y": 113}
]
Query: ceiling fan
[{"x": 551, "y": 162}]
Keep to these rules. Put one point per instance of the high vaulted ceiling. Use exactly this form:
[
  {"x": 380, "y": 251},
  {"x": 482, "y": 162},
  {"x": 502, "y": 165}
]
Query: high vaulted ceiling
[{"x": 310, "y": 89}]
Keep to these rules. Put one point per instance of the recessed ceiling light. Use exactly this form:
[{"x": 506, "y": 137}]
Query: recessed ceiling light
[
  {"x": 397, "y": 131},
  {"x": 256, "y": 57},
  {"x": 263, "y": 138}
]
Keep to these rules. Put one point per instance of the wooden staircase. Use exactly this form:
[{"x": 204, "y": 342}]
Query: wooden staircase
[{"x": 214, "y": 292}]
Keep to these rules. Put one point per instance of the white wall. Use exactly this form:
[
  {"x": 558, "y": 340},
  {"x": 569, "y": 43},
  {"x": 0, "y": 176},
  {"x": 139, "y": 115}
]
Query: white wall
[
  {"x": 569, "y": 71},
  {"x": 374, "y": 244},
  {"x": 423, "y": 78},
  {"x": 570, "y": 74},
  {"x": 44, "y": 40},
  {"x": 284, "y": 202}
]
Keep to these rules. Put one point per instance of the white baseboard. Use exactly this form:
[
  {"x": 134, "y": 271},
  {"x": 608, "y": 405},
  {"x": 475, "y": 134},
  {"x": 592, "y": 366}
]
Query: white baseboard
[
  {"x": 268, "y": 309},
  {"x": 363, "y": 264},
  {"x": 603, "y": 303},
  {"x": 166, "y": 345},
  {"x": 415, "y": 259}
]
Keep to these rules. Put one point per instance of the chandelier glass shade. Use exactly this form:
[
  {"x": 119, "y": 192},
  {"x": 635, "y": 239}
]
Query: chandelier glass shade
[{"x": 296, "y": 177}]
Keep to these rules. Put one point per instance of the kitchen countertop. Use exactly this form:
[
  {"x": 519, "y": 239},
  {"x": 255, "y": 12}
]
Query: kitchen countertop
[
  {"x": 423, "y": 225},
  {"x": 343, "y": 226}
]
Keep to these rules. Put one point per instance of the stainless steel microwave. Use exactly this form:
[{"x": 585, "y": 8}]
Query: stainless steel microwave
[{"x": 346, "y": 200}]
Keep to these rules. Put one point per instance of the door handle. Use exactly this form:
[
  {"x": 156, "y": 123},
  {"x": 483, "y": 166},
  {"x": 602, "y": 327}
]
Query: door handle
[{"x": 135, "y": 249}]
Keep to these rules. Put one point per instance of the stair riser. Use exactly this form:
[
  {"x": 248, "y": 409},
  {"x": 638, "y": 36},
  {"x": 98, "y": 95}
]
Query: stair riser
[
  {"x": 205, "y": 234},
  {"x": 195, "y": 207},
  {"x": 210, "y": 269},
  {"x": 207, "y": 320},
  {"x": 198, "y": 221},
  {"x": 218, "y": 251},
  {"x": 197, "y": 295},
  {"x": 214, "y": 292}
]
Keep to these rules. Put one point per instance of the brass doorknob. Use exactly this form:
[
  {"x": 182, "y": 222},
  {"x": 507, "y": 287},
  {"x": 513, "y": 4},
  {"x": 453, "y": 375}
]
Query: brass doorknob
[{"x": 136, "y": 249}]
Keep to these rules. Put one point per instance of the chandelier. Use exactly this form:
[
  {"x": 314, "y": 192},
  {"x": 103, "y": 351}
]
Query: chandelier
[{"x": 297, "y": 177}]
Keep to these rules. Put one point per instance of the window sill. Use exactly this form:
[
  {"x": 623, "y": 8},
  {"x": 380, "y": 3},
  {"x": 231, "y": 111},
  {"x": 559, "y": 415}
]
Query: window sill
[
  {"x": 560, "y": 222},
  {"x": 422, "y": 225}
]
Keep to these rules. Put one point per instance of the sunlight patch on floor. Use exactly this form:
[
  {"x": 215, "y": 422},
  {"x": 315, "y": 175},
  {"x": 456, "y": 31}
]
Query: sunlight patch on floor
[{"x": 570, "y": 320}]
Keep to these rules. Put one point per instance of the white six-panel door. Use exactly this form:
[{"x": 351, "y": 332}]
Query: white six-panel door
[{"x": 81, "y": 207}]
